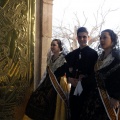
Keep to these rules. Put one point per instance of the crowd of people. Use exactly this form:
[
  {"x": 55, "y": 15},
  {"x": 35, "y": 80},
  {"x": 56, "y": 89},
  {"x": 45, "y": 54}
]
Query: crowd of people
[{"x": 94, "y": 78}]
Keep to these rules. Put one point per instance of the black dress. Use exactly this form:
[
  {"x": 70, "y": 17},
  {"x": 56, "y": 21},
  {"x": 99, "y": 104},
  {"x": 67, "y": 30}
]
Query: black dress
[
  {"x": 42, "y": 103},
  {"x": 93, "y": 108},
  {"x": 81, "y": 61}
]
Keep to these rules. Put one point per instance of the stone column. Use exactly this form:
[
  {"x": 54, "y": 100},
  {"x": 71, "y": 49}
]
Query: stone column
[
  {"x": 43, "y": 37},
  {"x": 46, "y": 31}
]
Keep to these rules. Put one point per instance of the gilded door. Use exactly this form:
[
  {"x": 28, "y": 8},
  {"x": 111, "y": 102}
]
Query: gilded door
[{"x": 16, "y": 56}]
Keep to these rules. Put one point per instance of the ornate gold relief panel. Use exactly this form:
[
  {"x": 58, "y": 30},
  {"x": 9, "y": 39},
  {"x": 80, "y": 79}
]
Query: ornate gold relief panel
[{"x": 17, "y": 19}]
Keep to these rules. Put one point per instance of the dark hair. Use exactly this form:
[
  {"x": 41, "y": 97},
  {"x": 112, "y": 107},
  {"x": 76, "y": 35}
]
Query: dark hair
[
  {"x": 113, "y": 36},
  {"x": 82, "y": 29},
  {"x": 59, "y": 43}
]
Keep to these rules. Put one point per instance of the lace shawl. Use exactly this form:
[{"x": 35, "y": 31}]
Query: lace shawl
[
  {"x": 103, "y": 63},
  {"x": 58, "y": 63}
]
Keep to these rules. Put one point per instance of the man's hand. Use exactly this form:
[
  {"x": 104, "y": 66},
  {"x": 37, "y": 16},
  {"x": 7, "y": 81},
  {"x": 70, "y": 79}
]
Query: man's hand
[
  {"x": 81, "y": 76},
  {"x": 73, "y": 81}
]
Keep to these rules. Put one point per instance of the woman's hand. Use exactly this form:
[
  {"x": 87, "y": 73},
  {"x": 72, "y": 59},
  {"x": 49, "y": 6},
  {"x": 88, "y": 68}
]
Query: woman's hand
[
  {"x": 114, "y": 103},
  {"x": 73, "y": 81}
]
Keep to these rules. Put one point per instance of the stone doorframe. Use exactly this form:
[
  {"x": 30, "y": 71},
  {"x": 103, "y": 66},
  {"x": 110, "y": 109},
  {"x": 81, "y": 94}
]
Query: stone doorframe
[{"x": 42, "y": 38}]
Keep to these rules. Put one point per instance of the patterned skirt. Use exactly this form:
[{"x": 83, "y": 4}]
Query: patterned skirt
[
  {"x": 42, "y": 103},
  {"x": 92, "y": 108}
]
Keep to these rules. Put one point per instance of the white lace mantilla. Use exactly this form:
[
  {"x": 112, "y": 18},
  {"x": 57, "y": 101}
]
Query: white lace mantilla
[{"x": 53, "y": 65}]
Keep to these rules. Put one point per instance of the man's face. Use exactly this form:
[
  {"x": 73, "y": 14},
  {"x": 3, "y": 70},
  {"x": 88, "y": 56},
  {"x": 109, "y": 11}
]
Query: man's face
[{"x": 82, "y": 39}]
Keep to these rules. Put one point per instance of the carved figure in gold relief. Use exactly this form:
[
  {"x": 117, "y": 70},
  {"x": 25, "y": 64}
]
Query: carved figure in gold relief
[{"x": 14, "y": 55}]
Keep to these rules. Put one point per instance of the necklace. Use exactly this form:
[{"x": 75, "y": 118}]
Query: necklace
[
  {"x": 55, "y": 58},
  {"x": 104, "y": 56},
  {"x": 101, "y": 63},
  {"x": 80, "y": 55}
]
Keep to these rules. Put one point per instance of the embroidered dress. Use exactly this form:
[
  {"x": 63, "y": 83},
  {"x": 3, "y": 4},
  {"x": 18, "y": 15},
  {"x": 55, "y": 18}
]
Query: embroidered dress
[
  {"x": 42, "y": 103},
  {"x": 92, "y": 107}
]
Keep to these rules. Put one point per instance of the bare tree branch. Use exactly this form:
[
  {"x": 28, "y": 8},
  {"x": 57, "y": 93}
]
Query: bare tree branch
[{"x": 69, "y": 34}]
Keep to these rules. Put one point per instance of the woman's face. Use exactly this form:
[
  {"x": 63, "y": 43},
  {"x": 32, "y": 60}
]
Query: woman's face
[
  {"x": 54, "y": 47},
  {"x": 105, "y": 40}
]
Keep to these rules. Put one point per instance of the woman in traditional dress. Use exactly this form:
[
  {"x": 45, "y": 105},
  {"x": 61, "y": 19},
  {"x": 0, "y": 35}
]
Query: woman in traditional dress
[
  {"x": 44, "y": 103},
  {"x": 107, "y": 71},
  {"x": 103, "y": 102}
]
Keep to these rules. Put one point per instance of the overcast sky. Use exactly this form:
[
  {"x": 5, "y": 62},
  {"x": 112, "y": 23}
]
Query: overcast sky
[{"x": 65, "y": 9}]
